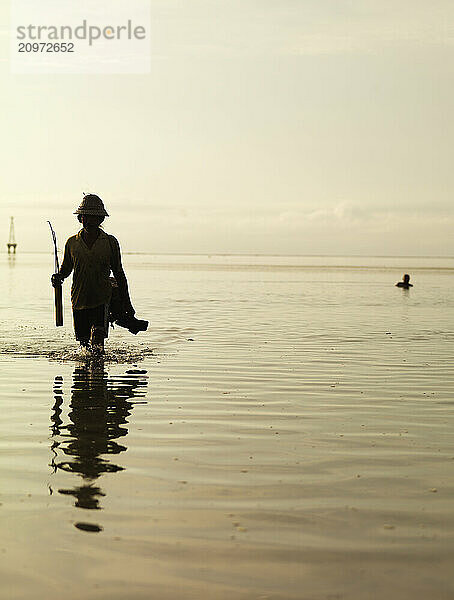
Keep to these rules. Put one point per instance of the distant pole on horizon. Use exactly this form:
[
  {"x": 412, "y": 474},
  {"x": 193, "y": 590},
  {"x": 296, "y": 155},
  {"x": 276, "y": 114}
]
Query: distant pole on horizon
[{"x": 12, "y": 240}]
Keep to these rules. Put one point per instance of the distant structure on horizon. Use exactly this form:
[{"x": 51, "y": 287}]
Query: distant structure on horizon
[{"x": 12, "y": 240}]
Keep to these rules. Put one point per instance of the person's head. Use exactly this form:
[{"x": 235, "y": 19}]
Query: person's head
[
  {"x": 90, "y": 220},
  {"x": 406, "y": 278},
  {"x": 91, "y": 212}
]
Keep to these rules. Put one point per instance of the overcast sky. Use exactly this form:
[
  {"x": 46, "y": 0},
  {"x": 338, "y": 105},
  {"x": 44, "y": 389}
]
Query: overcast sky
[{"x": 265, "y": 126}]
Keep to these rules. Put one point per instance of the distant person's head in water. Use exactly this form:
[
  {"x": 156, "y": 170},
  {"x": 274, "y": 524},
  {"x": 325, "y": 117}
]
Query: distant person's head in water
[{"x": 405, "y": 283}]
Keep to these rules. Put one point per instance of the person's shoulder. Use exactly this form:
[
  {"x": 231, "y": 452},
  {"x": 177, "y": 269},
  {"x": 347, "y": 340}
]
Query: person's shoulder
[
  {"x": 404, "y": 285},
  {"x": 113, "y": 243},
  {"x": 111, "y": 238},
  {"x": 74, "y": 238}
]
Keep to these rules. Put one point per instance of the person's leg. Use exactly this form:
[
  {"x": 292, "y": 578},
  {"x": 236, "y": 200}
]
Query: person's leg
[
  {"x": 91, "y": 325},
  {"x": 82, "y": 326},
  {"x": 99, "y": 326}
]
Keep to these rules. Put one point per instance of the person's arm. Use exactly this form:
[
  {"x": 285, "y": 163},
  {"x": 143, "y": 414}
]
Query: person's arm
[
  {"x": 65, "y": 268},
  {"x": 120, "y": 277}
]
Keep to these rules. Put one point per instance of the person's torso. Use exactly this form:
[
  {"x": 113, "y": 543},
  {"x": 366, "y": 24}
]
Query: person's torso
[{"x": 91, "y": 269}]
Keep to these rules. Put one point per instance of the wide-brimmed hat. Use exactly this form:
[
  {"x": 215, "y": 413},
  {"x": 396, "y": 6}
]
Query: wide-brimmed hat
[{"x": 92, "y": 205}]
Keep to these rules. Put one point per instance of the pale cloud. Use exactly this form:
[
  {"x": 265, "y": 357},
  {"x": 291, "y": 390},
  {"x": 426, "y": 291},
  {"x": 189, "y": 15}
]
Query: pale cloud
[
  {"x": 368, "y": 26},
  {"x": 234, "y": 28},
  {"x": 343, "y": 228}
]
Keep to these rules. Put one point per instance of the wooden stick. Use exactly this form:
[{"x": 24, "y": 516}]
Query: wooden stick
[
  {"x": 57, "y": 288},
  {"x": 58, "y": 306}
]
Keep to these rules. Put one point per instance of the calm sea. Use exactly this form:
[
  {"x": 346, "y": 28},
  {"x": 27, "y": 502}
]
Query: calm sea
[{"x": 283, "y": 430}]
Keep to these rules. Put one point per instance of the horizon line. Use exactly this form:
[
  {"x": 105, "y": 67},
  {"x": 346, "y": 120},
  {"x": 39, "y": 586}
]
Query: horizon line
[{"x": 256, "y": 254}]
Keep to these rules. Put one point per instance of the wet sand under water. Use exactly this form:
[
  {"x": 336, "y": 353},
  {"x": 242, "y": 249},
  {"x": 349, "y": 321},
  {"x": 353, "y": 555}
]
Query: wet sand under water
[{"x": 281, "y": 438}]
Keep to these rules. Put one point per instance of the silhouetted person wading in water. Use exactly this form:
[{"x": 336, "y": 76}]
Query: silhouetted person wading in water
[
  {"x": 92, "y": 254},
  {"x": 405, "y": 283}
]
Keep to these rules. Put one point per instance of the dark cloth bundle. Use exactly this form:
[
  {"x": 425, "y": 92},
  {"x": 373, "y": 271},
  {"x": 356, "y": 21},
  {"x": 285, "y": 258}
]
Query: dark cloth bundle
[{"x": 118, "y": 314}]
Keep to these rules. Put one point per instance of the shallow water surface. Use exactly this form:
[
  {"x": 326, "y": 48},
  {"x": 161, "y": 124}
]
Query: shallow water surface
[{"x": 283, "y": 430}]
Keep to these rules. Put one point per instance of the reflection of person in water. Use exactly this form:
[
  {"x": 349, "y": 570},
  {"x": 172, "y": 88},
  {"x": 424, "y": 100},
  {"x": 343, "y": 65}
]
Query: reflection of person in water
[
  {"x": 98, "y": 414},
  {"x": 405, "y": 283}
]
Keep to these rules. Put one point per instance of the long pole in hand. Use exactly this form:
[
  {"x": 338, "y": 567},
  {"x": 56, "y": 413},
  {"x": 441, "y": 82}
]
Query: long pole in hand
[{"x": 57, "y": 288}]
